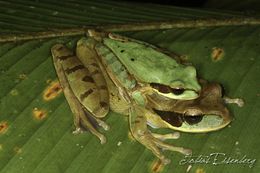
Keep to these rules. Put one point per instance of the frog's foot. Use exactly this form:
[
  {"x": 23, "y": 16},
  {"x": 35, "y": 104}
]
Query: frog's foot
[
  {"x": 78, "y": 130},
  {"x": 237, "y": 101},
  {"x": 163, "y": 137},
  {"x": 138, "y": 126},
  {"x": 102, "y": 124},
  {"x": 156, "y": 145},
  {"x": 84, "y": 121}
]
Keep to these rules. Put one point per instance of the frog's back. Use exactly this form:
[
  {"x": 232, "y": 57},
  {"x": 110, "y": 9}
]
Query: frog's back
[{"x": 148, "y": 64}]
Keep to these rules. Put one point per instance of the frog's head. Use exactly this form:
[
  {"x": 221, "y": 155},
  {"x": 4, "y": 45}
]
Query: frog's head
[
  {"x": 204, "y": 114},
  {"x": 150, "y": 65},
  {"x": 180, "y": 83}
]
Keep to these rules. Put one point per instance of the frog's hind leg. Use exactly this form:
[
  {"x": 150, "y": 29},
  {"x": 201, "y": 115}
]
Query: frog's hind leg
[
  {"x": 80, "y": 94},
  {"x": 96, "y": 121},
  {"x": 239, "y": 102},
  {"x": 87, "y": 55},
  {"x": 81, "y": 117}
]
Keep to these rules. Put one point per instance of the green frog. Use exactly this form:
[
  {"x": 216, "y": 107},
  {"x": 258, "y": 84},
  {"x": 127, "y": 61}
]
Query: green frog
[{"x": 134, "y": 78}]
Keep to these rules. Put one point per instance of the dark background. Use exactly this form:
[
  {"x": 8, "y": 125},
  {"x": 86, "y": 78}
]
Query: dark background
[
  {"x": 184, "y": 3},
  {"x": 247, "y": 6}
]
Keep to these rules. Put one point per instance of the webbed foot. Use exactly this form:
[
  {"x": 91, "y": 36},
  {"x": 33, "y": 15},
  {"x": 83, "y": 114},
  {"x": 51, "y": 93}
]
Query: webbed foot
[{"x": 157, "y": 146}]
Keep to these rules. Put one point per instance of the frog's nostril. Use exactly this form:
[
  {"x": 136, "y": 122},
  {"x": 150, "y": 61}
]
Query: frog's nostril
[{"x": 166, "y": 89}]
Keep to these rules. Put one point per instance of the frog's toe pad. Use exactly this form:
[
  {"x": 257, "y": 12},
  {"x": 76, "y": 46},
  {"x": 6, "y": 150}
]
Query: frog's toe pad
[
  {"x": 165, "y": 161},
  {"x": 102, "y": 124},
  {"x": 240, "y": 102},
  {"x": 106, "y": 127},
  {"x": 78, "y": 130},
  {"x": 186, "y": 151},
  {"x": 176, "y": 135},
  {"x": 103, "y": 139}
]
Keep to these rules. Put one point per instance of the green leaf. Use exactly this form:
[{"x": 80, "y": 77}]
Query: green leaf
[{"x": 35, "y": 133}]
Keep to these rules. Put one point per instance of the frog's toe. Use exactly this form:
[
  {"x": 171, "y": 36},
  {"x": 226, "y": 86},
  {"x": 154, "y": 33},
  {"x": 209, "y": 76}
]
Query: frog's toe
[
  {"x": 165, "y": 161},
  {"x": 176, "y": 135},
  {"x": 163, "y": 137},
  {"x": 165, "y": 146},
  {"x": 102, "y": 124},
  {"x": 103, "y": 139},
  {"x": 239, "y": 102},
  {"x": 78, "y": 130},
  {"x": 105, "y": 126},
  {"x": 186, "y": 151}
]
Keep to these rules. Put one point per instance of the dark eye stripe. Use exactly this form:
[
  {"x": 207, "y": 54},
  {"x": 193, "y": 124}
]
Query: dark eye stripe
[
  {"x": 171, "y": 117},
  {"x": 161, "y": 88},
  {"x": 176, "y": 119},
  {"x": 166, "y": 89}
]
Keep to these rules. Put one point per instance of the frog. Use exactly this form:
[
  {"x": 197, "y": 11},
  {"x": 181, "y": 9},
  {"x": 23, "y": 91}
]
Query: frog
[
  {"x": 130, "y": 77},
  {"x": 205, "y": 114}
]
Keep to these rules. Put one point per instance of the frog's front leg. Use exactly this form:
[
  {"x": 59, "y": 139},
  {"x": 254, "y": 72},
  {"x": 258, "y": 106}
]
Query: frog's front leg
[
  {"x": 217, "y": 90},
  {"x": 163, "y": 137},
  {"x": 138, "y": 126},
  {"x": 239, "y": 102}
]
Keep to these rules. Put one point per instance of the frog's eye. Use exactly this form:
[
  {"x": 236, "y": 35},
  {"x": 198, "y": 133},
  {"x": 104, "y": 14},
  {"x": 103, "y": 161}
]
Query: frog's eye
[
  {"x": 191, "y": 120},
  {"x": 178, "y": 91}
]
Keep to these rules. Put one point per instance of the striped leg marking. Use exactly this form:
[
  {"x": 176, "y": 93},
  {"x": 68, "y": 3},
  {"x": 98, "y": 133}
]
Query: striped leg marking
[{"x": 70, "y": 72}]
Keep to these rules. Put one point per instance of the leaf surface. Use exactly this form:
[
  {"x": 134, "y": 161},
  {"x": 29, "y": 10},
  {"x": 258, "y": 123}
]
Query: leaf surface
[{"x": 35, "y": 133}]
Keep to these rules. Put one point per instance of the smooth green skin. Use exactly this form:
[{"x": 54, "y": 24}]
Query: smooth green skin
[
  {"x": 116, "y": 66},
  {"x": 151, "y": 66}
]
